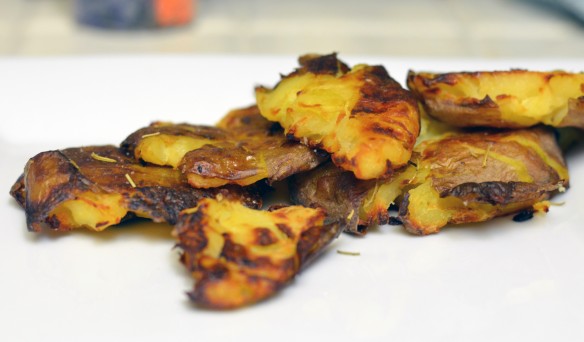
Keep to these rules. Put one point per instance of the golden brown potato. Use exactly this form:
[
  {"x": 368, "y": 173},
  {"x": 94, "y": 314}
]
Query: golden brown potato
[
  {"x": 247, "y": 120},
  {"x": 364, "y": 118},
  {"x": 243, "y": 149},
  {"x": 473, "y": 177},
  {"x": 165, "y": 144},
  {"x": 362, "y": 203},
  {"x": 239, "y": 256},
  {"x": 96, "y": 187},
  {"x": 18, "y": 192},
  {"x": 502, "y": 99}
]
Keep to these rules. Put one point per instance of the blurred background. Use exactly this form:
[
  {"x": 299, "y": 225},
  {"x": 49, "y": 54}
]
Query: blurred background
[{"x": 416, "y": 28}]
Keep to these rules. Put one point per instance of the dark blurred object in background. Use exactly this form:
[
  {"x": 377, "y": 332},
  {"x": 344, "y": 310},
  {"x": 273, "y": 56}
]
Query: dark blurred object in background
[
  {"x": 571, "y": 8},
  {"x": 134, "y": 14}
]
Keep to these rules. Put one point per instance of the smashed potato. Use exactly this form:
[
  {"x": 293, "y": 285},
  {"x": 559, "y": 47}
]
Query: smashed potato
[
  {"x": 456, "y": 178},
  {"x": 242, "y": 150},
  {"x": 473, "y": 177},
  {"x": 97, "y": 187},
  {"x": 239, "y": 256},
  {"x": 363, "y": 117},
  {"x": 165, "y": 144},
  {"x": 361, "y": 203},
  {"x": 502, "y": 99}
]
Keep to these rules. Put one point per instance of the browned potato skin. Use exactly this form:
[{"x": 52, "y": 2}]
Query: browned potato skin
[
  {"x": 451, "y": 159},
  {"x": 238, "y": 276},
  {"x": 575, "y": 117},
  {"x": 258, "y": 148},
  {"x": 484, "y": 112},
  {"x": 247, "y": 119},
  {"x": 335, "y": 190},
  {"x": 245, "y": 148},
  {"x": 53, "y": 177},
  {"x": 18, "y": 192},
  {"x": 361, "y": 203},
  {"x": 495, "y": 187},
  {"x": 385, "y": 111}
]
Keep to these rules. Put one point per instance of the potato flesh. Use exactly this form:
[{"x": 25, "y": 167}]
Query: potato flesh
[
  {"x": 377, "y": 200},
  {"x": 528, "y": 95},
  {"x": 428, "y": 212},
  {"x": 239, "y": 256},
  {"x": 239, "y": 222},
  {"x": 322, "y": 102},
  {"x": 519, "y": 98},
  {"x": 203, "y": 182},
  {"x": 89, "y": 210},
  {"x": 362, "y": 117},
  {"x": 168, "y": 150}
]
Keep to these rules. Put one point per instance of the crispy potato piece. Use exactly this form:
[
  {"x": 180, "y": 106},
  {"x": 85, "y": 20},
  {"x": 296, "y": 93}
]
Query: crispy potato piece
[
  {"x": 165, "y": 144},
  {"x": 363, "y": 117},
  {"x": 239, "y": 256},
  {"x": 18, "y": 192},
  {"x": 473, "y": 177},
  {"x": 458, "y": 178},
  {"x": 247, "y": 120},
  {"x": 361, "y": 203},
  {"x": 96, "y": 187},
  {"x": 243, "y": 149},
  {"x": 333, "y": 189},
  {"x": 502, "y": 99}
]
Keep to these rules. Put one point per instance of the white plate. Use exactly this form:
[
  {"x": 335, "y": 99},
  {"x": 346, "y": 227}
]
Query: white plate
[{"x": 495, "y": 281}]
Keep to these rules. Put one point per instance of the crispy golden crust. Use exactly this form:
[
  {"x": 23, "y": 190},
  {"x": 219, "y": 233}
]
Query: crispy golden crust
[
  {"x": 473, "y": 177},
  {"x": 243, "y": 149},
  {"x": 239, "y": 256},
  {"x": 18, "y": 191},
  {"x": 363, "y": 117},
  {"x": 502, "y": 99},
  {"x": 247, "y": 119},
  {"x": 96, "y": 187}
]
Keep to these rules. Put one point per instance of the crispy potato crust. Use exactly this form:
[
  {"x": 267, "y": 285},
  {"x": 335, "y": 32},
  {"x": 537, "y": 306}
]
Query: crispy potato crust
[
  {"x": 363, "y": 117},
  {"x": 239, "y": 256},
  {"x": 243, "y": 149},
  {"x": 96, "y": 187},
  {"x": 18, "y": 192},
  {"x": 473, "y": 177},
  {"x": 502, "y": 99}
]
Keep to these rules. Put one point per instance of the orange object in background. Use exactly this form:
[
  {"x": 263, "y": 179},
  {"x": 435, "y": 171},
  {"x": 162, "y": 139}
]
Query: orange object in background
[{"x": 173, "y": 12}]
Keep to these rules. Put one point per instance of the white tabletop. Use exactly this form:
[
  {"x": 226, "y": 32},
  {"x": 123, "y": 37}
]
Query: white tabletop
[{"x": 497, "y": 281}]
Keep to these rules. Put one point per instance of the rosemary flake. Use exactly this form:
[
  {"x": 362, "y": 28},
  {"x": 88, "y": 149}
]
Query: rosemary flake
[
  {"x": 102, "y": 158},
  {"x": 150, "y": 135},
  {"x": 348, "y": 253},
  {"x": 130, "y": 180},
  {"x": 74, "y": 164}
]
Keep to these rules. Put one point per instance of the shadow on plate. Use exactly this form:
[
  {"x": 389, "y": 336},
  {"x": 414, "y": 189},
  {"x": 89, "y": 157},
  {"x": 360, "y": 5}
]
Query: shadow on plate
[{"x": 131, "y": 229}]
